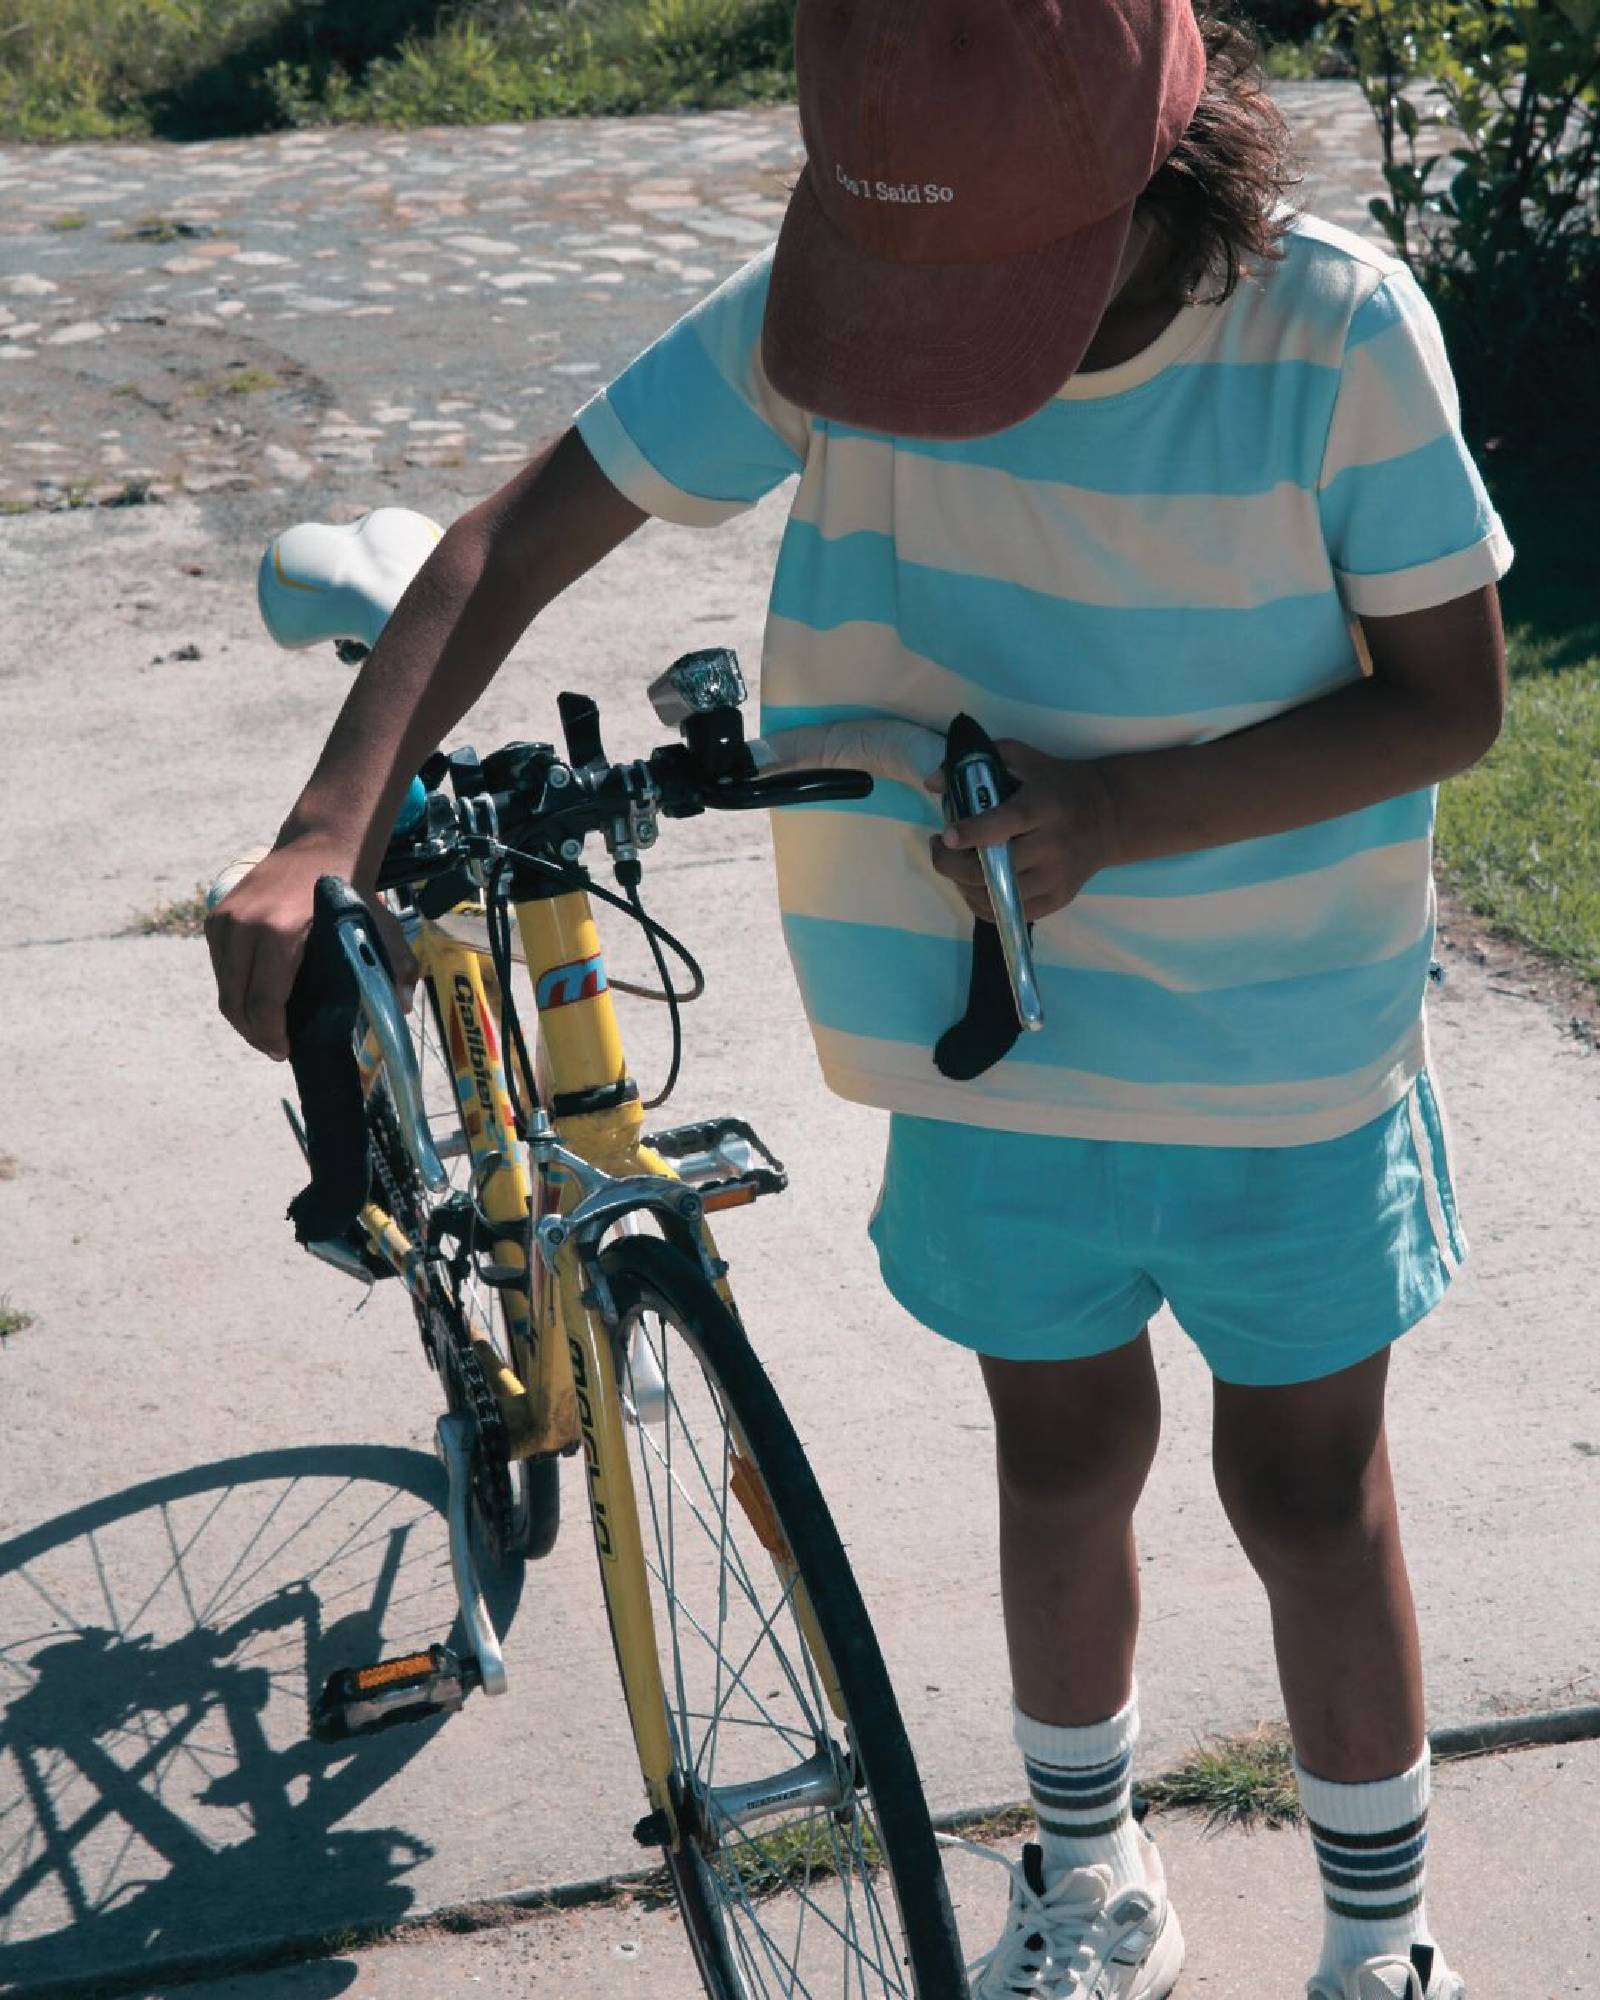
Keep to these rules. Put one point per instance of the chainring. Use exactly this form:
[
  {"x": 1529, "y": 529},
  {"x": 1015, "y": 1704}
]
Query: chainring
[{"x": 469, "y": 1392}]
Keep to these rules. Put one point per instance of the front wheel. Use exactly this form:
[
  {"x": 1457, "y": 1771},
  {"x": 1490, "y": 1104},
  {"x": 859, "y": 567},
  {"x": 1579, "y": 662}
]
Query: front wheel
[{"x": 807, "y": 1864}]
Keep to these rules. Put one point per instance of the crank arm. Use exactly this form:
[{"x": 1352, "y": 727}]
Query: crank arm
[{"x": 453, "y": 1438}]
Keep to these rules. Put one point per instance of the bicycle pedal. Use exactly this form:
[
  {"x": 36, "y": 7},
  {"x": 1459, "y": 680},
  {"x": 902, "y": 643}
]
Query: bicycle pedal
[
  {"x": 352, "y": 1254},
  {"x": 359, "y": 1701},
  {"x": 723, "y": 1160}
]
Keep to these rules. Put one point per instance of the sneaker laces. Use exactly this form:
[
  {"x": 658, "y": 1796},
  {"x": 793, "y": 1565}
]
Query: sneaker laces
[{"x": 1046, "y": 1947}]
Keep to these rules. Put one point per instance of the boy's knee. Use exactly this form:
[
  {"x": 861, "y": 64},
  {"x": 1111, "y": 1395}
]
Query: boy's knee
[
  {"x": 1082, "y": 1465},
  {"x": 1076, "y": 1434},
  {"x": 1299, "y": 1513}
]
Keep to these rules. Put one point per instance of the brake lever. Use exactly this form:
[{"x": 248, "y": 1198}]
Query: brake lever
[
  {"x": 976, "y": 781},
  {"x": 345, "y": 973}
]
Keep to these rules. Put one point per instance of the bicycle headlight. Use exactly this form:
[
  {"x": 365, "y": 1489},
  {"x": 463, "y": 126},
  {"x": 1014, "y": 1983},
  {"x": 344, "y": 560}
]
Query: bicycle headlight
[{"x": 697, "y": 683}]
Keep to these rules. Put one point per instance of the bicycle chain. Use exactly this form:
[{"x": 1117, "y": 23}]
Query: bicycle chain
[{"x": 467, "y": 1387}]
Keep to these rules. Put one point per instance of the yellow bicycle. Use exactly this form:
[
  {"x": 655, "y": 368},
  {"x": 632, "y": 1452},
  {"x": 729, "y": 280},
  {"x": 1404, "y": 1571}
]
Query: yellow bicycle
[{"x": 569, "y": 1293}]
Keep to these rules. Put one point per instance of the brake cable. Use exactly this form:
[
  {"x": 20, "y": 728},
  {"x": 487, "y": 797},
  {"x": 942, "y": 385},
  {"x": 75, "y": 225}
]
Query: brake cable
[
  {"x": 668, "y": 992},
  {"x": 498, "y": 921},
  {"x": 497, "y": 912}
]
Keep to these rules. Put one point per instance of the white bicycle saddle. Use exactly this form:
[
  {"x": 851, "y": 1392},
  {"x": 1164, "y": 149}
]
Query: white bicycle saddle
[{"x": 319, "y": 582}]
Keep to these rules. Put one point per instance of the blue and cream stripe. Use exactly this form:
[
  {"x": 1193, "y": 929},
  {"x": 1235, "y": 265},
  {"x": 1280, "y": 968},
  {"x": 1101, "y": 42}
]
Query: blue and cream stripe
[{"x": 1167, "y": 552}]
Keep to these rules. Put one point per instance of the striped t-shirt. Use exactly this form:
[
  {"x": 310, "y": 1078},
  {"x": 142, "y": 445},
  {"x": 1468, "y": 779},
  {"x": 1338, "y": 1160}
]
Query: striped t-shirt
[{"x": 1170, "y": 550}]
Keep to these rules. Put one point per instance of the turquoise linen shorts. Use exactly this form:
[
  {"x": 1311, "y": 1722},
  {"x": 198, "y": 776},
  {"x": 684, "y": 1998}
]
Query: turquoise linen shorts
[{"x": 1281, "y": 1263}]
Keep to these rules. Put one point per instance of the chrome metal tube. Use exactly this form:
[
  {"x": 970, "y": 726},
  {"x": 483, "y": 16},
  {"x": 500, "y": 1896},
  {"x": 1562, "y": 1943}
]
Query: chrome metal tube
[
  {"x": 817, "y": 1784},
  {"x": 453, "y": 1440},
  {"x": 382, "y": 1009},
  {"x": 1001, "y": 880}
]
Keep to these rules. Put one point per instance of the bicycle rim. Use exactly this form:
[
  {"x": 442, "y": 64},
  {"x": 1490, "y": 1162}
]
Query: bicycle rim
[{"x": 807, "y": 1865}]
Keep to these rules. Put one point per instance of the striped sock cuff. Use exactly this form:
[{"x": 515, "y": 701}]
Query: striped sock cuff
[
  {"x": 1370, "y": 1841},
  {"x": 1080, "y": 1779},
  {"x": 1066, "y": 1747}
]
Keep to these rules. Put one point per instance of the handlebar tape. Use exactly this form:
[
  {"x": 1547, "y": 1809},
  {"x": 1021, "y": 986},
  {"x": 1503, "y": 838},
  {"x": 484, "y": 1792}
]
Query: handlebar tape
[
  {"x": 321, "y": 1019},
  {"x": 989, "y": 1027}
]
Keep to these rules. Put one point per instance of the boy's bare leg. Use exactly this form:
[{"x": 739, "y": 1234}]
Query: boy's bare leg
[
  {"x": 1073, "y": 1443},
  {"x": 1304, "y": 1476}
]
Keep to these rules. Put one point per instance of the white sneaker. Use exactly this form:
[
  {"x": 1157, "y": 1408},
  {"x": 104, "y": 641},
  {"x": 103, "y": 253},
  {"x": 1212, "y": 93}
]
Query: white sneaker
[
  {"x": 1080, "y": 1939},
  {"x": 1422, "y": 1976}
]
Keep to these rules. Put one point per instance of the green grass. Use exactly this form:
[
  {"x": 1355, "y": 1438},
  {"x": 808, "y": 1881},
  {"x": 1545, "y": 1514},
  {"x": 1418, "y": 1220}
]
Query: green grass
[
  {"x": 1289, "y": 62},
  {"x": 158, "y": 228},
  {"x": 1236, "y": 1781},
  {"x": 1519, "y": 834},
  {"x": 185, "y": 917},
  {"x": 57, "y": 499},
  {"x": 13, "y": 1319},
  {"x": 771, "y": 1859},
  {"x": 240, "y": 380},
  {"x": 1315, "y": 55},
  {"x": 93, "y": 69}
]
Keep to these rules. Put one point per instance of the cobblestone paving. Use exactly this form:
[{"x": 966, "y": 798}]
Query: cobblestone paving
[{"x": 319, "y": 308}]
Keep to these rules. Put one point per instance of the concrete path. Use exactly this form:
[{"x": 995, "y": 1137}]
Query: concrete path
[
  {"x": 217, "y": 1483},
  {"x": 1511, "y": 1900}
]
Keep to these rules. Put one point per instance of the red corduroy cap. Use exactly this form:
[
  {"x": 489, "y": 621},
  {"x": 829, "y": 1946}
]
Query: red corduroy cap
[{"x": 971, "y": 170}]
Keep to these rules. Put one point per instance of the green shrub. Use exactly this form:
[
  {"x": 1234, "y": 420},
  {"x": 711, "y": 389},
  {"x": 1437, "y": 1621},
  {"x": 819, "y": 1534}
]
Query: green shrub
[
  {"x": 457, "y": 77},
  {"x": 721, "y": 37},
  {"x": 1498, "y": 211}
]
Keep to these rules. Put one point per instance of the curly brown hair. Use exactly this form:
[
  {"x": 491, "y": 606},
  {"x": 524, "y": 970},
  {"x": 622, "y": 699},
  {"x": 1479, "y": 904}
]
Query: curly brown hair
[{"x": 1221, "y": 198}]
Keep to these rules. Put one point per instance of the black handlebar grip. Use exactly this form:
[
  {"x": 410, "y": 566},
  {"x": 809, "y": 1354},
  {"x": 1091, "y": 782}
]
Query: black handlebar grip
[
  {"x": 787, "y": 788},
  {"x": 967, "y": 736},
  {"x": 989, "y": 1027},
  {"x": 321, "y": 1019}
]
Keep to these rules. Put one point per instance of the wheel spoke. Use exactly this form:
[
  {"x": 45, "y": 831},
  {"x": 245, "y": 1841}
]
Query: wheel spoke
[
  {"x": 730, "y": 1562},
  {"x": 797, "y": 1900},
  {"x": 730, "y": 1557}
]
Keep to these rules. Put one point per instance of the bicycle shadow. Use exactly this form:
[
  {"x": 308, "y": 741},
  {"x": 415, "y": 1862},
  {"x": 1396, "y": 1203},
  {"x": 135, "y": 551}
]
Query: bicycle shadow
[{"x": 161, "y": 1803}]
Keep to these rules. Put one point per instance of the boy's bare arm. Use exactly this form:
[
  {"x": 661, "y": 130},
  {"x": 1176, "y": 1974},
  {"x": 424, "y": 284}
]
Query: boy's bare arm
[
  {"x": 1432, "y": 705},
  {"x": 493, "y": 572}
]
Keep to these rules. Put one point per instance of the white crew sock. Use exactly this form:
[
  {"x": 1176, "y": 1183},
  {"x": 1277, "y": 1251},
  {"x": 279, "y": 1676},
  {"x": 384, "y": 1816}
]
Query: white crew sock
[
  {"x": 1371, "y": 1843},
  {"x": 1081, "y": 1785}
]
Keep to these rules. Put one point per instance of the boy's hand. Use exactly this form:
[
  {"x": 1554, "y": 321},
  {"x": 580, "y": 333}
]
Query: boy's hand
[
  {"x": 1058, "y": 822},
  {"x": 257, "y": 936}
]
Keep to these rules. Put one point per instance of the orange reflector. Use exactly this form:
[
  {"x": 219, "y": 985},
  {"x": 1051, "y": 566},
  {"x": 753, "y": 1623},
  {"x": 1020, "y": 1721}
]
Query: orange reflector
[
  {"x": 734, "y": 1197},
  {"x": 753, "y": 1498},
  {"x": 388, "y": 1671}
]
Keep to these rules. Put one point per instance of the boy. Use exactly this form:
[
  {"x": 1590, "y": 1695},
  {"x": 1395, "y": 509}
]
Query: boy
[{"x": 1168, "y": 489}]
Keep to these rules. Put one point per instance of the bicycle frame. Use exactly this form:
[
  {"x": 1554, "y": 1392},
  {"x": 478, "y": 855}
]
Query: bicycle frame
[{"x": 563, "y": 1393}]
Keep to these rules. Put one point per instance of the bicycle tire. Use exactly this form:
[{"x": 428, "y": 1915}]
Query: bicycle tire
[
  {"x": 720, "y": 1873},
  {"x": 516, "y": 1502}
]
